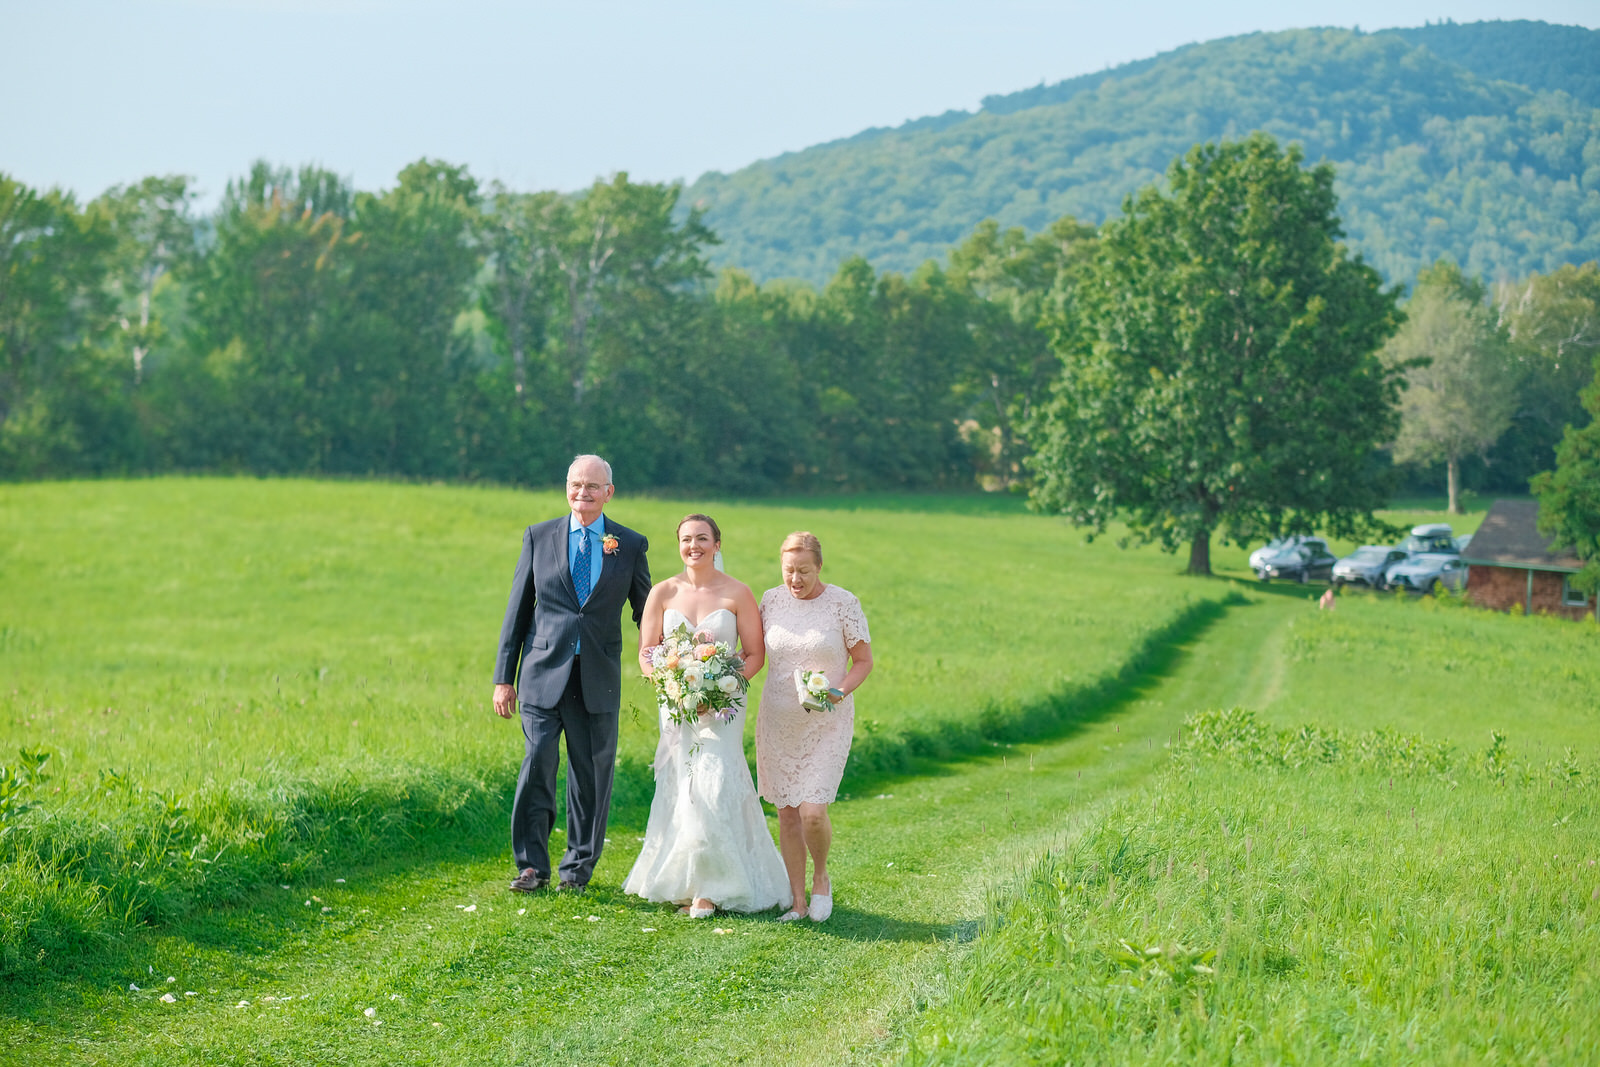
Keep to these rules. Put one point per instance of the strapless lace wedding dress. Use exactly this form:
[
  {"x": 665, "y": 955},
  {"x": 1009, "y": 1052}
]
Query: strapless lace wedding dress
[{"x": 707, "y": 836}]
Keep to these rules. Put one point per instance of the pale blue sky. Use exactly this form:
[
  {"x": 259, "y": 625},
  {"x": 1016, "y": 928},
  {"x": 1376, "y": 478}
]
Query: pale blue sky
[{"x": 546, "y": 95}]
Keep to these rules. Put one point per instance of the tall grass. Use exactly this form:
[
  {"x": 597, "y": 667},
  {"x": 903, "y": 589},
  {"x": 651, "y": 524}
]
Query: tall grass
[
  {"x": 1396, "y": 861},
  {"x": 1252, "y": 909}
]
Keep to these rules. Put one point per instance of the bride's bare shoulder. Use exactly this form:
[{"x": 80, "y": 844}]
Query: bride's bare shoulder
[{"x": 663, "y": 591}]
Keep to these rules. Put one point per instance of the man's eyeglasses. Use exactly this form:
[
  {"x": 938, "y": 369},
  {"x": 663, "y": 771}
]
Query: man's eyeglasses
[{"x": 593, "y": 487}]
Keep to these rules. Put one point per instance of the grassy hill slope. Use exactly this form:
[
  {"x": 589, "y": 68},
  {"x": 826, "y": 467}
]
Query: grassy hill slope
[{"x": 1438, "y": 153}]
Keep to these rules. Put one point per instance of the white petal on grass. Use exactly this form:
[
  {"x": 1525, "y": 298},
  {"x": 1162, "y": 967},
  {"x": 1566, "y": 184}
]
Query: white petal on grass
[
  {"x": 720, "y": 930},
  {"x": 339, "y": 881},
  {"x": 133, "y": 988},
  {"x": 190, "y": 993},
  {"x": 647, "y": 929},
  {"x": 171, "y": 979},
  {"x": 594, "y": 918},
  {"x": 394, "y": 996},
  {"x": 283, "y": 887},
  {"x": 467, "y": 907},
  {"x": 522, "y": 911},
  {"x": 370, "y": 1012},
  {"x": 326, "y": 910},
  {"x": 168, "y": 998},
  {"x": 242, "y": 1004},
  {"x": 889, "y": 864}
]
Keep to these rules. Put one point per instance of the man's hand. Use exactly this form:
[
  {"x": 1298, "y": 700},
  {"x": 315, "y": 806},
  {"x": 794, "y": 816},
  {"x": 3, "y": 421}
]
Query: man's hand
[{"x": 505, "y": 700}]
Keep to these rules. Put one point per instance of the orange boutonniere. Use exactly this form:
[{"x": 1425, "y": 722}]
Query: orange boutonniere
[{"x": 609, "y": 545}]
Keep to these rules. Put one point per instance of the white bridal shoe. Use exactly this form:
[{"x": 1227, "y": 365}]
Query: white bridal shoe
[
  {"x": 701, "y": 913},
  {"x": 821, "y": 905}
]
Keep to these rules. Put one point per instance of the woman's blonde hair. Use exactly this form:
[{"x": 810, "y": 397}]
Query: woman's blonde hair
[{"x": 803, "y": 541}]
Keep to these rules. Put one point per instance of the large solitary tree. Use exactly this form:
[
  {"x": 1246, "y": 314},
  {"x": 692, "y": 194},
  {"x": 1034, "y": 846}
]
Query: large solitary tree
[{"x": 1221, "y": 372}]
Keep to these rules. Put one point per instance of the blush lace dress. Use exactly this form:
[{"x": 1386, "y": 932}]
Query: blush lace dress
[
  {"x": 707, "y": 835},
  {"x": 800, "y": 755}
]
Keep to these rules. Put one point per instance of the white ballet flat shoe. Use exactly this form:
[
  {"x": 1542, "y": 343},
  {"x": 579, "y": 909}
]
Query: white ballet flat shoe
[
  {"x": 821, "y": 906},
  {"x": 790, "y": 916},
  {"x": 702, "y": 913}
]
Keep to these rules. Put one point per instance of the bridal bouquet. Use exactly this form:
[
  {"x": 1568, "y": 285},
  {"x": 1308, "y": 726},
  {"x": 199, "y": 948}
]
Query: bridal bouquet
[
  {"x": 813, "y": 690},
  {"x": 695, "y": 675}
]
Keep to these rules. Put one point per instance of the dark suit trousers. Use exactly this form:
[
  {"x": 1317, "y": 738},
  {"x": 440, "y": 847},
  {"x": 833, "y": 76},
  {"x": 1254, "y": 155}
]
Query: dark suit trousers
[{"x": 591, "y": 762}]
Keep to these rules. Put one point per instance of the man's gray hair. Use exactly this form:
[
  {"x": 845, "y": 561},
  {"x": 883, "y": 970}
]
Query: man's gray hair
[{"x": 586, "y": 456}]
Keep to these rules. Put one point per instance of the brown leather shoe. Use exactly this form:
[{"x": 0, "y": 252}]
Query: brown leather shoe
[{"x": 529, "y": 880}]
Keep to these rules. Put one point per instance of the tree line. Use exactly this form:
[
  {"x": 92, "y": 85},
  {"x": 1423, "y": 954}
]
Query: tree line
[
  {"x": 443, "y": 329},
  {"x": 1215, "y": 357}
]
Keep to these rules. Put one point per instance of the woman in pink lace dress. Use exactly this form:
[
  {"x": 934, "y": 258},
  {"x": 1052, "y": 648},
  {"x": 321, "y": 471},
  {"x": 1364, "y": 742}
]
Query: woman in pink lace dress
[{"x": 800, "y": 754}]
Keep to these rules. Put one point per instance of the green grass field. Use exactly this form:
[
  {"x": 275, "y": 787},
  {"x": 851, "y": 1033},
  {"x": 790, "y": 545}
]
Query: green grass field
[{"x": 274, "y": 779}]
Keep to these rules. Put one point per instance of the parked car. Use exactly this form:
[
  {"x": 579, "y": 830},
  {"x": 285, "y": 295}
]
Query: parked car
[
  {"x": 1307, "y": 560},
  {"x": 1368, "y": 565},
  {"x": 1431, "y": 537},
  {"x": 1280, "y": 544},
  {"x": 1428, "y": 572}
]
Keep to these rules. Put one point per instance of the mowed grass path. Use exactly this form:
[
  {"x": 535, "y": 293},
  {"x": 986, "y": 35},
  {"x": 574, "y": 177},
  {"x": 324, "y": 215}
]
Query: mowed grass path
[{"x": 578, "y": 979}]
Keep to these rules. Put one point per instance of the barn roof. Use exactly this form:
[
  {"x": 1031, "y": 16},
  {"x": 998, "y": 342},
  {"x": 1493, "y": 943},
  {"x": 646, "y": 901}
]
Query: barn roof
[{"x": 1509, "y": 537}]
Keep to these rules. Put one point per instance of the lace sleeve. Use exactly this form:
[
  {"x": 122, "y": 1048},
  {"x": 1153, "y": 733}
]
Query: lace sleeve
[{"x": 853, "y": 620}]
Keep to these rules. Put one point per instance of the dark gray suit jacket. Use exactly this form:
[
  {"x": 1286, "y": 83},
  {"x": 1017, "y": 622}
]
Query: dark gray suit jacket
[{"x": 544, "y": 619}]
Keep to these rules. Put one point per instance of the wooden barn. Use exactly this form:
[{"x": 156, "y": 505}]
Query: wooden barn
[{"x": 1511, "y": 564}]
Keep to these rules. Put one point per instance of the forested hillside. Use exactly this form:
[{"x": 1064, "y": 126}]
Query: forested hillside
[{"x": 1477, "y": 142}]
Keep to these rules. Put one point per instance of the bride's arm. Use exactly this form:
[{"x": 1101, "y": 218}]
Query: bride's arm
[
  {"x": 650, "y": 632},
  {"x": 752, "y": 647}
]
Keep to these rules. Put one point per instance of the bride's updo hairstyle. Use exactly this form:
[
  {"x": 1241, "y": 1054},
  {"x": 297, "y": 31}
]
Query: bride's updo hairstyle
[
  {"x": 716, "y": 531},
  {"x": 803, "y": 541}
]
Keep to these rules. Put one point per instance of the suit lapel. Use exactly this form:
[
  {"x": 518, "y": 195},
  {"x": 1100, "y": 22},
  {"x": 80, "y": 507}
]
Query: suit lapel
[
  {"x": 563, "y": 547},
  {"x": 608, "y": 560}
]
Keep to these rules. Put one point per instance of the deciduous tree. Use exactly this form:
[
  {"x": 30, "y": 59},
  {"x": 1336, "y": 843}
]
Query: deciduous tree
[
  {"x": 1569, "y": 496},
  {"x": 1222, "y": 370},
  {"x": 1461, "y": 382},
  {"x": 1009, "y": 280}
]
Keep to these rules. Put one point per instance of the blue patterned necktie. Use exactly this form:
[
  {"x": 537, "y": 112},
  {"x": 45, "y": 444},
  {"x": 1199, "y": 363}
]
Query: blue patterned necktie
[{"x": 580, "y": 567}]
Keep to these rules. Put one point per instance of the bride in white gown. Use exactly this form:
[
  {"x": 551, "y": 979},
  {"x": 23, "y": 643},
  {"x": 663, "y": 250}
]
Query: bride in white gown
[{"x": 707, "y": 844}]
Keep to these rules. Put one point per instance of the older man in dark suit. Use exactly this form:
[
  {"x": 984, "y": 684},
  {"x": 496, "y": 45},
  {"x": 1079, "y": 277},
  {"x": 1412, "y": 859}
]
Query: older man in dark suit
[{"x": 560, "y": 662}]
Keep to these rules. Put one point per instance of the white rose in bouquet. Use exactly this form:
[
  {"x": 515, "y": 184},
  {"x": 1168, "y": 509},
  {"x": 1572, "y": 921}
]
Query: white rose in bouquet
[{"x": 813, "y": 689}]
